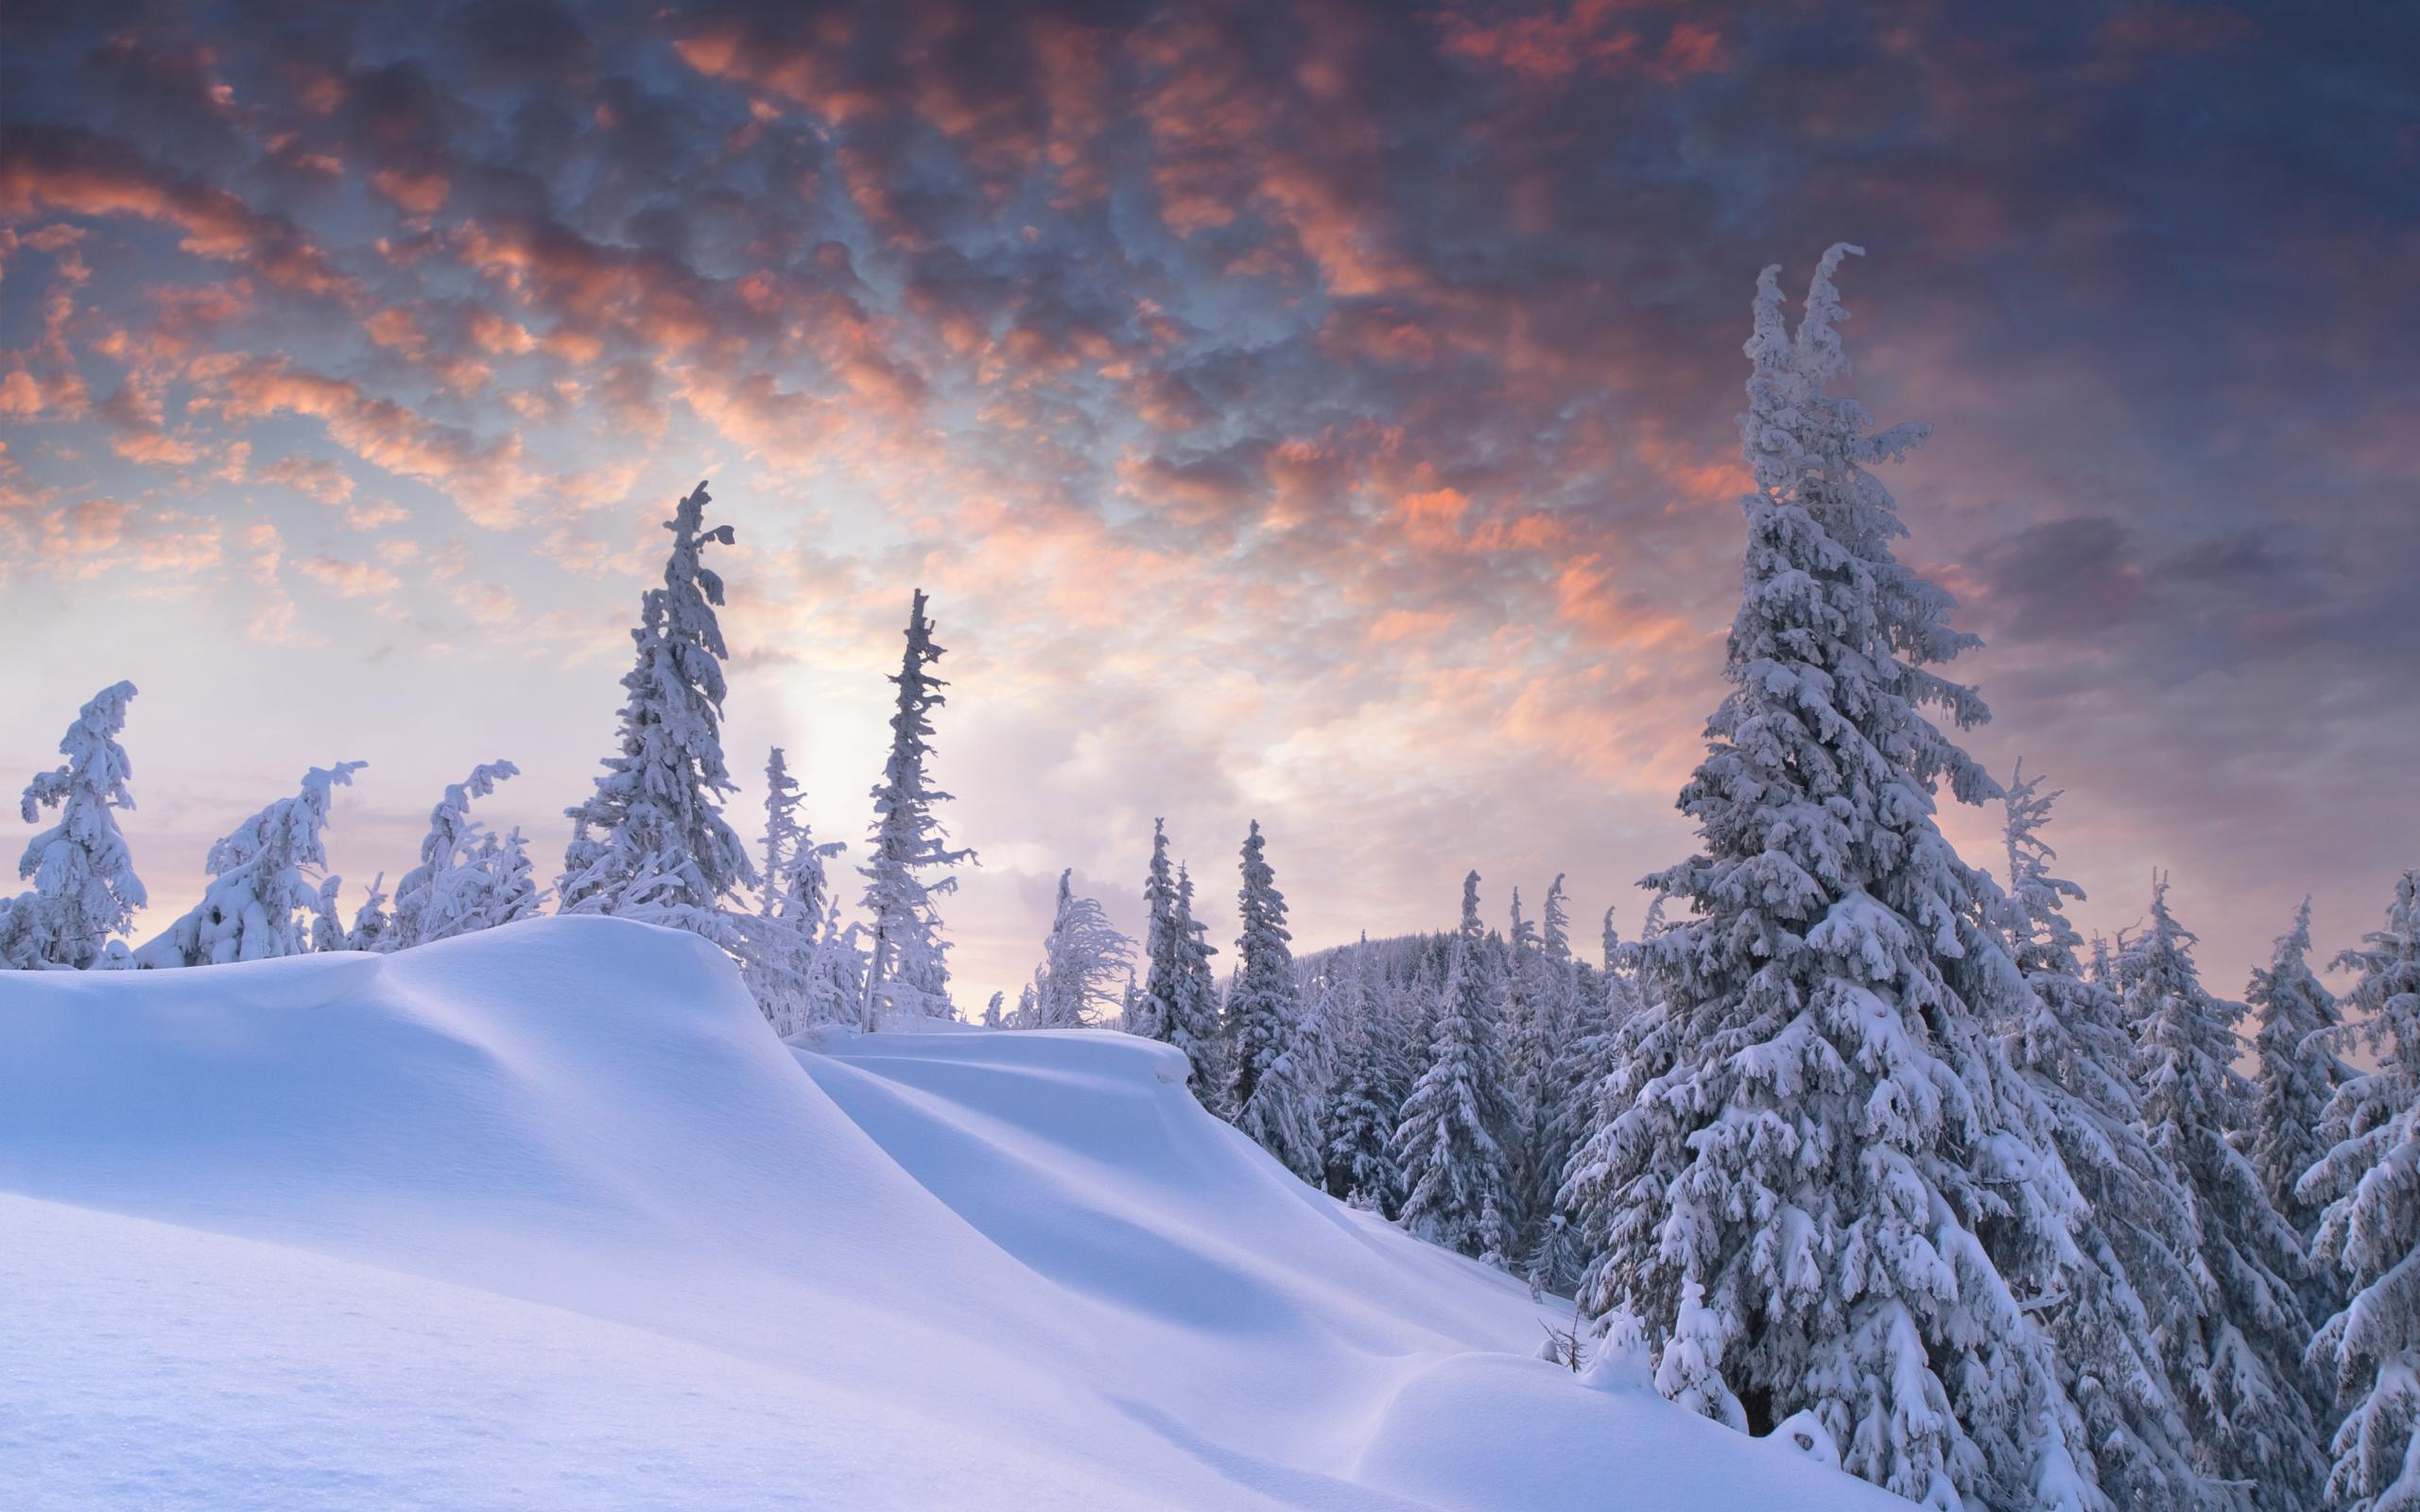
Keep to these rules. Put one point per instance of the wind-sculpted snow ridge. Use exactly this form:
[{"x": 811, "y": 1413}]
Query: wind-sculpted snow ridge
[{"x": 544, "y": 1216}]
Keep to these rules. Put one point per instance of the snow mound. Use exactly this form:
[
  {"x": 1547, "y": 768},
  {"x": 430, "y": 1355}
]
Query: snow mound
[
  {"x": 1479, "y": 1433},
  {"x": 544, "y": 1216}
]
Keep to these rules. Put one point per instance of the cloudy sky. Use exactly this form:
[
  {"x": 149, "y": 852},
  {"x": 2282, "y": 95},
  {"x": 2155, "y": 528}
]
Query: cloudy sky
[{"x": 1319, "y": 413}]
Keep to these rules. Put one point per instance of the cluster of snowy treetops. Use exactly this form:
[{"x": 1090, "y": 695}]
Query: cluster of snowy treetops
[
  {"x": 649, "y": 843},
  {"x": 1855, "y": 1135}
]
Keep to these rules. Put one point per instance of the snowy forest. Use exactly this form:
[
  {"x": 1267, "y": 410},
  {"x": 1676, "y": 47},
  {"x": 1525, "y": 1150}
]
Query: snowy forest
[{"x": 1857, "y": 1132}]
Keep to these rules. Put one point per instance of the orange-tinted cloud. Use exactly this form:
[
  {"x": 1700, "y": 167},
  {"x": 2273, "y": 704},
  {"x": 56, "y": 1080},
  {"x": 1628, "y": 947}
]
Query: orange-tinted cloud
[{"x": 67, "y": 172}]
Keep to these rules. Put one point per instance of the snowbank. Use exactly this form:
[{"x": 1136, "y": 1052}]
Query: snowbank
[{"x": 544, "y": 1217}]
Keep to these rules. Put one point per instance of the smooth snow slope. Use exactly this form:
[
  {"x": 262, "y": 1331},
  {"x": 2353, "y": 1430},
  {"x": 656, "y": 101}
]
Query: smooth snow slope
[{"x": 546, "y": 1218}]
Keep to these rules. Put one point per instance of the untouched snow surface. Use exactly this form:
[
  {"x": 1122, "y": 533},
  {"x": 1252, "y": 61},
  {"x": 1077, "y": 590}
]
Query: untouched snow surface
[{"x": 544, "y": 1217}]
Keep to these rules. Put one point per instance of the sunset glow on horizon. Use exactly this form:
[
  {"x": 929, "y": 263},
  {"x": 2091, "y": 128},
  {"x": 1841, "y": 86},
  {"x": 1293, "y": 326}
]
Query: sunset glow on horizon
[{"x": 1320, "y": 414}]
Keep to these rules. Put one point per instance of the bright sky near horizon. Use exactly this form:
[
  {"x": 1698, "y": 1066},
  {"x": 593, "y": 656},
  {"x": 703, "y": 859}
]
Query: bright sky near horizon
[{"x": 1318, "y": 412}]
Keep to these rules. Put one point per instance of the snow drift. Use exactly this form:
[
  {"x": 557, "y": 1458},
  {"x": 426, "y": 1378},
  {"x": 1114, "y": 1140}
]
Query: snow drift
[{"x": 544, "y": 1216}]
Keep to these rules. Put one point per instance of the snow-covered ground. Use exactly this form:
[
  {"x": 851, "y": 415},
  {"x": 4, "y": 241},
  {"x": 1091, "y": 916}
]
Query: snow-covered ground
[{"x": 544, "y": 1217}]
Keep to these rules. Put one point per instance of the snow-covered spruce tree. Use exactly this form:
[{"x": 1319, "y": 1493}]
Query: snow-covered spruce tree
[
  {"x": 1363, "y": 1104},
  {"x": 1198, "y": 1002},
  {"x": 84, "y": 887},
  {"x": 2133, "y": 1276},
  {"x": 1591, "y": 1099},
  {"x": 1285, "y": 1111},
  {"x": 1554, "y": 1259},
  {"x": 795, "y": 883},
  {"x": 371, "y": 920},
  {"x": 327, "y": 927},
  {"x": 1276, "y": 1078},
  {"x": 1543, "y": 1021},
  {"x": 1818, "y": 1153},
  {"x": 444, "y": 895},
  {"x": 506, "y": 881},
  {"x": 836, "y": 972},
  {"x": 260, "y": 903},
  {"x": 493, "y": 883},
  {"x": 2297, "y": 1077},
  {"x": 1262, "y": 1007},
  {"x": 1554, "y": 927},
  {"x": 2369, "y": 1234},
  {"x": 991, "y": 1012},
  {"x": 1172, "y": 1008},
  {"x": 2234, "y": 1361},
  {"x": 1154, "y": 1012},
  {"x": 907, "y": 961},
  {"x": 1448, "y": 1138},
  {"x": 1083, "y": 959},
  {"x": 651, "y": 843},
  {"x": 780, "y": 941}
]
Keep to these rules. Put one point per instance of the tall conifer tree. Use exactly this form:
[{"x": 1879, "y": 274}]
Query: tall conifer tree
[
  {"x": 651, "y": 843},
  {"x": 1449, "y": 1141},
  {"x": 906, "y": 965},
  {"x": 85, "y": 891},
  {"x": 1824, "y": 1155},
  {"x": 2134, "y": 1278},
  {"x": 1262, "y": 1009},
  {"x": 2297, "y": 1075},
  {"x": 2235, "y": 1359},
  {"x": 1172, "y": 1009},
  {"x": 2369, "y": 1234}
]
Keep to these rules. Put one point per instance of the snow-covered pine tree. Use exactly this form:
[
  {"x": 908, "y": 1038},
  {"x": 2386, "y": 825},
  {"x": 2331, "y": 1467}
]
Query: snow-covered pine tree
[
  {"x": 84, "y": 887},
  {"x": 1554, "y": 1259},
  {"x": 1523, "y": 1030},
  {"x": 1448, "y": 1140},
  {"x": 651, "y": 843},
  {"x": 991, "y": 1012},
  {"x": 371, "y": 920},
  {"x": 2132, "y": 1276},
  {"x": 1544, "y": 1022},
  {"x": 1177, "y": 1004},
  {"x": 836, "y": 973},
  {"x": 1590, "y": 1100},
  {"x": 327, "y": 928},
  {"x": 1154, "y": 1015},
  {"x": 2236, "y": 1360},
  {"x": 1554, "y": 928},
  {"x": 447, "y": 893},
  {"x": 2369, "y": 1234},
  {"x": 2297, "y": 1077},
  {"x": 506, "y": 882},
  {"x": 1276, "y": 1079},
  {"x": 259, "y": 903},
  {"x": 1814, "y": 1126},
  {"x": 1575, "y": 1070},
  {"x": 1363, "y": 1107},
  {"x": 1288, "y": 1103},
  {"x": 906, "y": 962},
  {"x": 795, "y": 883},
  {"x": 19, "y": 949},
  {"x": 1083, "y": 957},
  {"x": 1197, "y": 1009},
  {"x": 778, "y": 942},
  {"x": 1262, "y": 1008}
]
